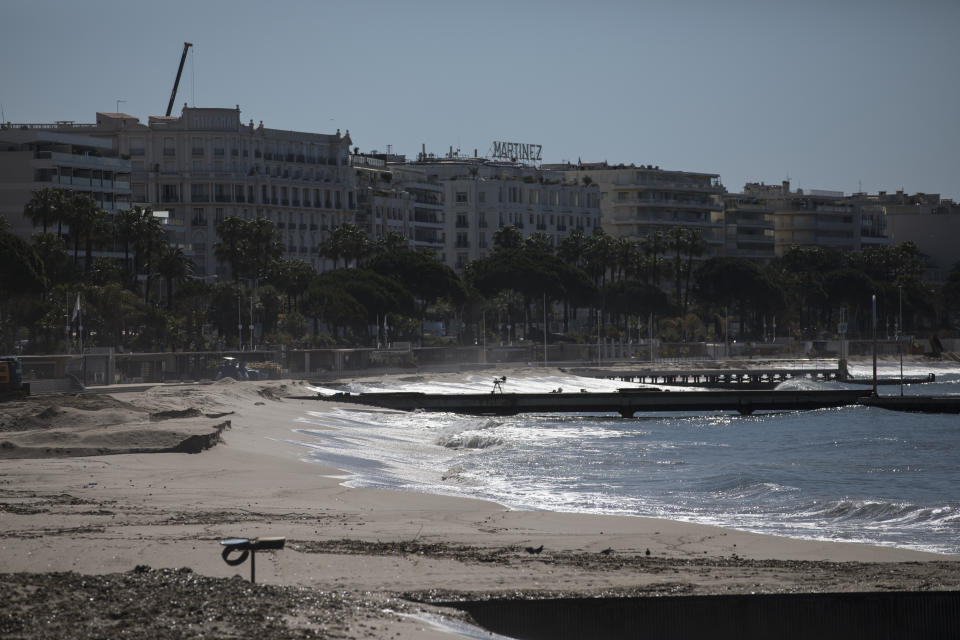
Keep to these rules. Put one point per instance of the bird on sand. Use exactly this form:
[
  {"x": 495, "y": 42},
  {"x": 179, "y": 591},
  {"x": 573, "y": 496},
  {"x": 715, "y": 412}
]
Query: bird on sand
[
  {"x": 607, "y": 551},
  {"x": 647, "y": 552},
  {"x": 534, "y": 550}
]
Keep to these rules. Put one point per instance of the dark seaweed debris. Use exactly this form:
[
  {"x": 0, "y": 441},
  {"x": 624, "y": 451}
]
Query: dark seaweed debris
[{"x": 164, "y": 604}]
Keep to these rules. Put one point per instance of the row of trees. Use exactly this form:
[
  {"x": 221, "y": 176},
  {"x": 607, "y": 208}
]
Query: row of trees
[{"x": 147, "y": 297}]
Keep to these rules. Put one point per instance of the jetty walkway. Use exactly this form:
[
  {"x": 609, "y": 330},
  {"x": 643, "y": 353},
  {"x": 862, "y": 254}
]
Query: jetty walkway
[
  {"x": 629, "y": 402},
  {"x": 626, "y": 402},
  {"x": 762, "y": 378}
]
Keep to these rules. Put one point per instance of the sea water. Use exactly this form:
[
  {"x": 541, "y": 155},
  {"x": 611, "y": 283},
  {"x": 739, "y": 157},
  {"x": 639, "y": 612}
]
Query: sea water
[{"x": 857, "y": 474}]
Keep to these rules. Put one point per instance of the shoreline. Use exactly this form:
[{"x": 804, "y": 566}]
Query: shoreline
[{"x": 111, "y": 513}]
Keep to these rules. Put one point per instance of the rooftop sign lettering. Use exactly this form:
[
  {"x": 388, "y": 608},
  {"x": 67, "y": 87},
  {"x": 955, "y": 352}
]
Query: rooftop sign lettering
[
  {"x": 215, "y": 120},
  {"x": 517, "y": 151}
]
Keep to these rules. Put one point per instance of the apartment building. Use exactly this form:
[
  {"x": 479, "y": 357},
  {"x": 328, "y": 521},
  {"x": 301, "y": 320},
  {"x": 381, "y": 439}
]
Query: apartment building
[
  {"x": 481, "y": 196},
  {"x": 640, "y": 200},
  {"x": 815, "y": 218},
  {"x": 34, "y": 157},
  {"x": 925, "y": 219},
  {"x": 748, "y": 228},
  {"x": 402, "y": 199},
  {"x": 205, "y": 165}
]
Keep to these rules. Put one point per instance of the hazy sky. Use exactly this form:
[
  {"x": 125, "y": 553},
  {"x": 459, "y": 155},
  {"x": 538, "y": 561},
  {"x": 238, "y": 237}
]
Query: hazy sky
[{"x": 838, "y": 94}]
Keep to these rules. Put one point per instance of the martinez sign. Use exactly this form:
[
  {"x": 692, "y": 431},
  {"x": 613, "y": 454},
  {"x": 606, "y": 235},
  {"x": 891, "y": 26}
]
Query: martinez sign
[{"x": 517, "y": 151}]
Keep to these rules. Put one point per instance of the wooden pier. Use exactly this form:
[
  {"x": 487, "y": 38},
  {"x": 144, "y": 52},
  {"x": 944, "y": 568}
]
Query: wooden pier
[
  {"x": 626, "y": 402},
  {"x": 737, "y": 378}
]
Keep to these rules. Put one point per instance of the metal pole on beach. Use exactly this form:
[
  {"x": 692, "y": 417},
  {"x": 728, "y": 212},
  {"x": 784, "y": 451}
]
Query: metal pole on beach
[
  {"x": 874, "y": 305},
  {"x": 544, "y": 330}
]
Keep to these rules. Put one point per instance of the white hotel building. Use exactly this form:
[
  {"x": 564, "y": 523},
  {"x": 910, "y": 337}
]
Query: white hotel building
[{"x": 205, "y": 165}]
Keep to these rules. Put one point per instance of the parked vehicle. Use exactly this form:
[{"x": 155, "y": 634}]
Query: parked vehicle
[{"x": 236, "y": 369}]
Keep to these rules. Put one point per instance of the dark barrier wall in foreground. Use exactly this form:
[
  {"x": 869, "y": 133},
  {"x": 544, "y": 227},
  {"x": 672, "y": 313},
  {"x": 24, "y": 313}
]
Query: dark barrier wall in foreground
[{"x": 843, "y": 616}]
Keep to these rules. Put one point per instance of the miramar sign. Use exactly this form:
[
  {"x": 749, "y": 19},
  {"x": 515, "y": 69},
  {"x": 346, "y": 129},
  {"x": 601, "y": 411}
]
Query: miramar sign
[
  {"x": 517, "y": 151},
  {"x": 212, "y": 119}
]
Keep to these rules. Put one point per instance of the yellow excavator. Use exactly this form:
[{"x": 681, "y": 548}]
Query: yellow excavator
[{"x": 12, "y": 385}]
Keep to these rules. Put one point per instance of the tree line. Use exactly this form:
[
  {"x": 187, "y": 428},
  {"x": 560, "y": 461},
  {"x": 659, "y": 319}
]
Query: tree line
[{"x": 146, "y": 296}]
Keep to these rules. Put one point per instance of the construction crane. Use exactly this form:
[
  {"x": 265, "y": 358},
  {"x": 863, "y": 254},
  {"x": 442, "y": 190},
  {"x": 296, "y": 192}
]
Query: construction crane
[{"x": 176, "y": 83}]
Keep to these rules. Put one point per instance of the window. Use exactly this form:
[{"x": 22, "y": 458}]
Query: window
[
  {"x": 461, "y": 197},
  {"x": 136, "y": 146},
  {"x": 197, "y": 146},
  {"x": 198, "y": 192},
  {"x": 169, "y": 147},
  {"x": 482, "y": 197}
]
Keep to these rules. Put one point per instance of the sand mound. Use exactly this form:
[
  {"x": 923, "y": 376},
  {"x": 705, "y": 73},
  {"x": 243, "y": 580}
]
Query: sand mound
[{"x": 183, "y": 436}]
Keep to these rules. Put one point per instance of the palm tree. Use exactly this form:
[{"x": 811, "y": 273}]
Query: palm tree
[
  {"x": 125, "y": 225},
  {"x": 46, "y": 207},
  {"x": 175, "y": 267},
  {"x": 653, "y": 245},
  {"x": 571, "y": 248},
  {"x": 508, "y": 237},
  {"x": 231, "y": 232},
  {"x": 355, "y": 244},
  {"x": 149, "y": 242},
  {"x": 331, "y": 248},
  {"x": 599, "y": 254},
  {"x": 263, "y": 247},
  {"x": 292, "y": 277},
  {"x": 83, "y": 218}
]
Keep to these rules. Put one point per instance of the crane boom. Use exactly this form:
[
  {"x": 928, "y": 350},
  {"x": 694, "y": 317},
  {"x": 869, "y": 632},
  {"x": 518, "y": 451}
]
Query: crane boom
[{"x": 176, "y": 83}]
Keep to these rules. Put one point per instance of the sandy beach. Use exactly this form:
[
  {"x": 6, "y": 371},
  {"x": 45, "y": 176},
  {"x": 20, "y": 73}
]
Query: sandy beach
[{"x": 131, "y": 492}]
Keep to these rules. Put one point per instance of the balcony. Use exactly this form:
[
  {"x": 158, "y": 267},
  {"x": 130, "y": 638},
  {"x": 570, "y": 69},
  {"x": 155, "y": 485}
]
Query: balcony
[
  {"x": 222, "y": 198},
  {"x": 169, "y": 152},
  {"x": 198, "y": 221},
  {"x": 463, "y": 224},
  {"x": 197, "y": 151},
  {"x": 295, "y": 203},
  {"x": 463, "y": 244}
]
